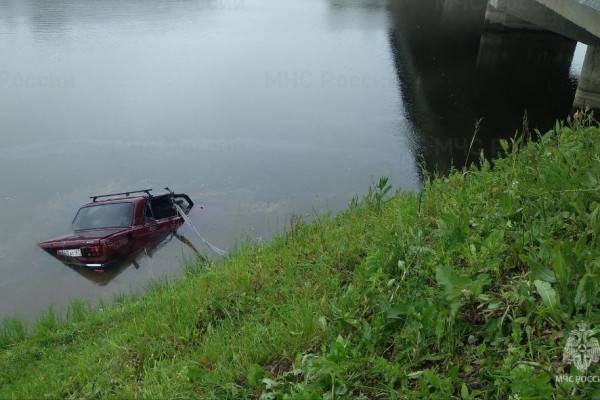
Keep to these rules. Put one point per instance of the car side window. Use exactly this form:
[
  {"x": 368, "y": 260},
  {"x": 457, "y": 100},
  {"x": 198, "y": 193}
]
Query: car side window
[{"x": 162, "y": 207}]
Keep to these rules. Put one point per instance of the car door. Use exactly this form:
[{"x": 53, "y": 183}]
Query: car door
[
  {"x": 165, "y": 215},
  {"x": 148, "y": 232}
]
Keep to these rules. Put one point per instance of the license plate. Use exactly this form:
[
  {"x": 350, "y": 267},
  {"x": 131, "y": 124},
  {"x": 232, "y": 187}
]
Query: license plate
[{"x": 70, "y": 252}]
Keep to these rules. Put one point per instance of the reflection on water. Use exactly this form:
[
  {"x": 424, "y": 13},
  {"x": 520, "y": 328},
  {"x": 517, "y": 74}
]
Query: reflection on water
[
  {"x": 105, "y": 276},
  {"x": 456, "y": 72},
  {"x": 256, "y": 114}
]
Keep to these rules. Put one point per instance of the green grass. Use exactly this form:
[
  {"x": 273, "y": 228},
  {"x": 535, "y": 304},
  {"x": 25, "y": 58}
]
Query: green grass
[{"x": 465, "y": 290}]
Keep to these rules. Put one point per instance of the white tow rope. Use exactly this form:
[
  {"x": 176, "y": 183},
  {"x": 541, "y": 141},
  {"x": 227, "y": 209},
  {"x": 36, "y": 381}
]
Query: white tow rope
[{"x": 206, "y": 242}]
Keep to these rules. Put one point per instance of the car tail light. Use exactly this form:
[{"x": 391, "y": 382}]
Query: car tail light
[{"x": 92, "y": 251}]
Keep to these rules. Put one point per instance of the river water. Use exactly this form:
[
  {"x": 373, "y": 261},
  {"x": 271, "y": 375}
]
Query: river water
[{"x": 258, "y": 109}]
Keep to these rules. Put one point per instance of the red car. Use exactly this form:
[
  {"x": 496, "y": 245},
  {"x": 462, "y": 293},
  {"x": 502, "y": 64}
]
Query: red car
[{"x": 114, "y": 226}]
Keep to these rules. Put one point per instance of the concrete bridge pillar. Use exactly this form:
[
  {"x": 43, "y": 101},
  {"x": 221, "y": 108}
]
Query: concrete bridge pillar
[{"x": 588, "y": 91}]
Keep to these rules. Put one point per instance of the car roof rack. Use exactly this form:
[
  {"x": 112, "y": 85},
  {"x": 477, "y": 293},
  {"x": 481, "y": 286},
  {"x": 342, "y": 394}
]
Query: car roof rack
[{"x": 126, "y": 194}]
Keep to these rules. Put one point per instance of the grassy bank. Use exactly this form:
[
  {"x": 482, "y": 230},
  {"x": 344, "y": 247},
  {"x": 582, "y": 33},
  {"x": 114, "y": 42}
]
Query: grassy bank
[{"x": 466, "y": 290}]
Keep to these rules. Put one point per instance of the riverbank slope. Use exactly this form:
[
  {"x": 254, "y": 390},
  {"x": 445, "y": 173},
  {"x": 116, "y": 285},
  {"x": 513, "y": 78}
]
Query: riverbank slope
[{"x": 467, "y": 290}]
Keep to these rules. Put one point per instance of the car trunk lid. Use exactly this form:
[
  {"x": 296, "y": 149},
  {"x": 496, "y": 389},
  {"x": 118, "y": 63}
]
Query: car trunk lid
[{"x": 79, "y": 238}]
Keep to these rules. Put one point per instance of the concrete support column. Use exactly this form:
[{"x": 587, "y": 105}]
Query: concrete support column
[{"x": 588, "y": 91}]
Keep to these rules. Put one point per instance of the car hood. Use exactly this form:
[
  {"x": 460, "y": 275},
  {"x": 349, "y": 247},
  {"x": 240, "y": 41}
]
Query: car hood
[{"x": 81, "y": 236}]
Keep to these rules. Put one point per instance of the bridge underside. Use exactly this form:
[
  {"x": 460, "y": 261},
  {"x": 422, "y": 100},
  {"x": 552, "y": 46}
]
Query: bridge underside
[{"x": 575, "y": 20}]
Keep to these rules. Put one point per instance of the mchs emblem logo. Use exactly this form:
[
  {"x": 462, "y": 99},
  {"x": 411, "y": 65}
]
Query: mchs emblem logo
[{"x": 582, "y": 348}]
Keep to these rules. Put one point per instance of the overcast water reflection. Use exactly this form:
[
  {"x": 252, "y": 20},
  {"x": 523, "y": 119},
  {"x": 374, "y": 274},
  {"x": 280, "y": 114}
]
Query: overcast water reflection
[{"x": 259, "y": 110}]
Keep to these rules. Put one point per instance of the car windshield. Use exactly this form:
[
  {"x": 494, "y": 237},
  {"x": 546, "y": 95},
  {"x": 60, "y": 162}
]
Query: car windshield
[{"x": 115, "y": 215}]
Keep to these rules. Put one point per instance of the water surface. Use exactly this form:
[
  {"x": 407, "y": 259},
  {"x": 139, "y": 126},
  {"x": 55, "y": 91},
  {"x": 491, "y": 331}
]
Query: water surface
[{"x": 259, "y": 110}]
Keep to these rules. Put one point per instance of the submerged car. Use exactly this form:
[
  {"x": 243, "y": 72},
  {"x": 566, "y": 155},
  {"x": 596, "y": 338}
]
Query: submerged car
[{"x": 114, "y": 226}]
